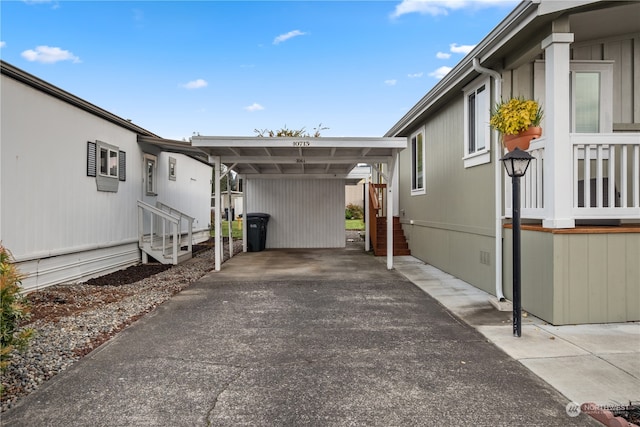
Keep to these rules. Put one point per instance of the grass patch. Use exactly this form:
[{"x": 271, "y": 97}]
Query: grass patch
[
  {"x": 236, "y": 229},
  {"x": 354, "y": 224}
]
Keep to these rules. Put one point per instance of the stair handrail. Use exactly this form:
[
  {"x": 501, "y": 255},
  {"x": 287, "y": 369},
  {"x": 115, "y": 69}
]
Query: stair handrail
[
  {"x": 181, "y": 215},
  {"x": 173, "y": 220}
]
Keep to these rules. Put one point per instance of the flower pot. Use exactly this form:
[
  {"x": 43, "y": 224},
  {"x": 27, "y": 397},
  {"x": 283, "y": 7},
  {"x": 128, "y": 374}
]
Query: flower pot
[{"x": 523, "y": 139}]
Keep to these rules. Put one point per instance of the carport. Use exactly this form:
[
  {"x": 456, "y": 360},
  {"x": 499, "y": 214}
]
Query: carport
[{"x": 313, "y": 164}]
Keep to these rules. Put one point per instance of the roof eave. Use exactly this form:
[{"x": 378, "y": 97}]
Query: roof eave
[
  {"x": 524, "y": 13},
  {"x": 39, "y": 84}
]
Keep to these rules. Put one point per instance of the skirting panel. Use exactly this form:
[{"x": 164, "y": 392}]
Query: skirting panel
[{"x": 77, "y": 267}]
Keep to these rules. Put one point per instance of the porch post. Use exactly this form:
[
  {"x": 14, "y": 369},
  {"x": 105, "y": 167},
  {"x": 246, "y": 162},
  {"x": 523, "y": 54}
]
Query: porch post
[{"x": 558, "y": 174}]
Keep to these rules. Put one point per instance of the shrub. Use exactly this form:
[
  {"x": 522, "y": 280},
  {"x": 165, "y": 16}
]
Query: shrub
[
  {"x": 348, "y": 214},
  {"x": 356, "y": 211},
  {"x": 15, "y": 308}
]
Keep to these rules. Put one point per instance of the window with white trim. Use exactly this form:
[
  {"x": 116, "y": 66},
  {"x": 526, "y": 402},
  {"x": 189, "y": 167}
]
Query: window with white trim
[
  {"x": 418, "y": 175},
  {"x": 150, "y": 171},
  {"x": 476, "y": 123},
  {"x": 172, "y": 169},
  {"x": 107, "y": 164},
  {"x": 591, "y": 96}
]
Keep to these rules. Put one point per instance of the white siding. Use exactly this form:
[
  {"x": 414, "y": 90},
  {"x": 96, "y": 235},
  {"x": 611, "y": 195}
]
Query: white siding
[
  {"x": 48, "y": 204},
  {"x": 304, "y": 213},
  {"x": 53, "y": 219},
  {"x": 189, "y": 193}
]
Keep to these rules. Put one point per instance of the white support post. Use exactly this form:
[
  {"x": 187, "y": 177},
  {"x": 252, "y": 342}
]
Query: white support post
[
  {"x": 244, "y": 215},
  {"x": 367, "y": 245},
  {"x": 391, "y": 168},
  {"x": 230, "y": 216},
  {"x": 558, "y": 150},
  {"x": 217, "y": 221}
]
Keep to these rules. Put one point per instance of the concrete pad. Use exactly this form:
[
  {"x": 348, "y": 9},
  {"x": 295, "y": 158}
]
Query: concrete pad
[
  {"x": 534, "y": 342},
  {"x": 298, "y": 337},
  {"x": 628, "y": 362},
  {"x": 586, "y": 379},
  {"x": 601, "y": 338}
]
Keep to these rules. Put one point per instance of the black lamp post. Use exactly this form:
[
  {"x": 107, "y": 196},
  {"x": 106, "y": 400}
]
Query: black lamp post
[{"x": 516, "y": 163}]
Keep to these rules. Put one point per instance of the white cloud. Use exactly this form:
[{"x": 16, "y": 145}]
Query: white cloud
[
  {"x": 464, "y": 49},
  {"x": 254, "y": 107},
  {"x": 443, "y": 55},
  {"x": 2, "y": 44},
  {"x": 442, "y": 7},
  {"x": 415, "y": 75},
  {"x": 440, "y": 72},
  {"x": 49, "y": 55},
  {"x": 195, "y": 84},
  {"x": 284, "y": 37},
  {"x": 390, "y": 82}
]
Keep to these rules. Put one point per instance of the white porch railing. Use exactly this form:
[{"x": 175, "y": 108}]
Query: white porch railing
[
  {"x": 606, "y": 178},
  {"x": 160, "y": 233}
]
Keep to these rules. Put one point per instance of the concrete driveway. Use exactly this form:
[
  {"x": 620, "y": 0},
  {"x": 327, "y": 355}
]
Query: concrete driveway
[{"x": 297, "y": 337}]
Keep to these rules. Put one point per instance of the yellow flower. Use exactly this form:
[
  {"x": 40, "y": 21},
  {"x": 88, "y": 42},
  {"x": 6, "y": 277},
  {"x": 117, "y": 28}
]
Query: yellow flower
[{"x": 515, "y": 115}]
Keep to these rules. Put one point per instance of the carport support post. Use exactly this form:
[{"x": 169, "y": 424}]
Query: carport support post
[
  {"x": 217, "y": 223},
  {"x": 390, "y": 171},
  {"x": 244, "y": 213},
  {"x": 367, "y": 201}
]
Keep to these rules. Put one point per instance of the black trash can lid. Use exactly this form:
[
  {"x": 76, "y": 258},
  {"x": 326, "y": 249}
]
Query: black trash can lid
[{"x": 258, "y": 215}]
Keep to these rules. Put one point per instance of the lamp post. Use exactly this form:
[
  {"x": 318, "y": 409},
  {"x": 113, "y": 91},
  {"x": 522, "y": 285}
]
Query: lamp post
[{"x": 516, "y": 163}]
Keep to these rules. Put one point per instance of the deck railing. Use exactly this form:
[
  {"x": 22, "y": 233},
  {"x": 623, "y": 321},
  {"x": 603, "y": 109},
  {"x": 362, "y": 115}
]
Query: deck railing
[
  {"x": 605, "y": 178},
  {"x": 376, "y": 209}
]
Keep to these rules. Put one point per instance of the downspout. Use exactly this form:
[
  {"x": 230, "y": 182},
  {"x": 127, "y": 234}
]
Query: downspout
[{"x": 497, "y": 81}]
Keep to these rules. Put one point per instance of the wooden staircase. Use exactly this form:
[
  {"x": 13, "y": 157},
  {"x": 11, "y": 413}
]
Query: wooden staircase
[
  {"x": 400, "y": 244},
  {"x": 378, "y": 225}
]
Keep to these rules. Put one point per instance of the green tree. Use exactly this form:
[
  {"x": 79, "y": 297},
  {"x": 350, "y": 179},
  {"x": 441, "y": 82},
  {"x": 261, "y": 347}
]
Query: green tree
[{"x": 294, "y": 133}]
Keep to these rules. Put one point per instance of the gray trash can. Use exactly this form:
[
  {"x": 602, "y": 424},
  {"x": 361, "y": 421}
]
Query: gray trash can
[{"x": 257, "y": 231}]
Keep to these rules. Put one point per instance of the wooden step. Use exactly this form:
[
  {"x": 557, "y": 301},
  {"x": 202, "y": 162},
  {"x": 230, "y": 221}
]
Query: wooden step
[{"x": 400, "y": 244}]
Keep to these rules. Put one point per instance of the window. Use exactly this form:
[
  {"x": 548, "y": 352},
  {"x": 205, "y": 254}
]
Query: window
[
  {"x": 150, "y": 174},
  {"x": 591, "y": 96},
  {"x": 172, "y": 169},
  {"x": 418, "y": 176},
  {"x": 476, "y": 123},
  {"x": 107, "y": 164}
]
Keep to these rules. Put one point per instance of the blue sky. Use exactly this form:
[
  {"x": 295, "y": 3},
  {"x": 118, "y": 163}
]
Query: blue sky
[{"x": 227, "y": 68}]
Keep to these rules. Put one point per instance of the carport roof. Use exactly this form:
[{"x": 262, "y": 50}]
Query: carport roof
[{"x": 279, "y": 157}]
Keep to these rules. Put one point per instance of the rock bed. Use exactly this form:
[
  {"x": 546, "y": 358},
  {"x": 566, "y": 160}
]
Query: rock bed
[{"x": 72, "y": 320}]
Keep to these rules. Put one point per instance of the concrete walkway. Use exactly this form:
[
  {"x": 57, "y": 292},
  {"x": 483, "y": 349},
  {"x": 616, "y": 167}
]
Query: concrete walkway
[
  {"x": 597, "y": 363},
  {"x": 298, "y": 337}
]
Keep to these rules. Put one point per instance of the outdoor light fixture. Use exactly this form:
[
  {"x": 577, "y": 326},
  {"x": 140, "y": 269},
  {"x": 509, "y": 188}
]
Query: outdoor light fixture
[{"x": 516, "y": 163}]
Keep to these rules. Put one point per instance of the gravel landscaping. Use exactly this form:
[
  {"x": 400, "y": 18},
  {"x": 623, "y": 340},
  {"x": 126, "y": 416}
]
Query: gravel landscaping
[{"x": 72, "y": 320}]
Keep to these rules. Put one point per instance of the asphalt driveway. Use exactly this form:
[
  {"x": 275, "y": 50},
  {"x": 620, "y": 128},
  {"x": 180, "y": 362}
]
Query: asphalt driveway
[{"x": 297, "y": 337}]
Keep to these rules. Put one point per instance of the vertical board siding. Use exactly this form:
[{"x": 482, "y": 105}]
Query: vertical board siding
[
  {"x": 578, "y": 278},
  {"x": 454, "y": 220},
  {"x": 304, "y": 213},
  {"x": 624, "y": 53}
]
